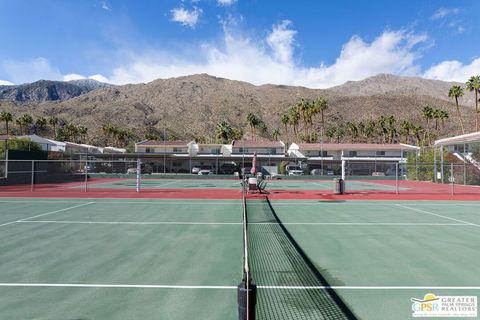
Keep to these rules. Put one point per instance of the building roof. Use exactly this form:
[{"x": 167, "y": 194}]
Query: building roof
[
  {"x": 42, "y": 140},
  {"x": 209, "y": 144},
  {"x": 163, "y": 143},
  {"x": 257, "y": 144},
  {"x": 464, "y": 138},
  {"x": 354, "y": 146}
]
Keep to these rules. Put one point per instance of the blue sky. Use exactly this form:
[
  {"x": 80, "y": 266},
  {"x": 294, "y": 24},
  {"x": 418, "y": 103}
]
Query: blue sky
[{"x": 316, "y": 44}]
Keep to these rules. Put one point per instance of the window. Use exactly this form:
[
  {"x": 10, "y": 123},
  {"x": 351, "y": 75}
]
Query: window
[
  {"x": 216, "y": 151},
  {"x": 148, "y": 150},
  {"x": 380, "y": 153},
  {"x": 243, "y": 150},
  {"x": 323, "y": 153},
  {"x": 273, "y": 151},
  {"x": 352, "y": 153},
  {"x": 176, "y": 150}
]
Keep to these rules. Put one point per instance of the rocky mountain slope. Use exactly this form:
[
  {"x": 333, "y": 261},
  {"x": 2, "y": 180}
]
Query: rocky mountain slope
[
  {"x": 43, "y": 90},
  {"x": 193, "y": 105}
]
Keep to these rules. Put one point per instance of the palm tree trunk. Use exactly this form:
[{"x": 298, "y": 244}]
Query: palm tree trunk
[
  {"x": 459, "y": 115},
  {"x": 476, "y": 109}
]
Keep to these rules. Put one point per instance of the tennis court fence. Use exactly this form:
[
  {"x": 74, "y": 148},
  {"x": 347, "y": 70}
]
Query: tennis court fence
[{"x": 360, "y": 177}]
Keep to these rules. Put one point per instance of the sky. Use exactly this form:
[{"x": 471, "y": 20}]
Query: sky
[{"x": 317, "y": 44}]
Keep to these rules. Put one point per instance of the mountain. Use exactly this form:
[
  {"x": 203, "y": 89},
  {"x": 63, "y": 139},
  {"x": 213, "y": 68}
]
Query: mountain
[
  {"x": 45, "y": 90},
  {"x": 193, "y": 105},
  {"x": 391, "y": 84}
]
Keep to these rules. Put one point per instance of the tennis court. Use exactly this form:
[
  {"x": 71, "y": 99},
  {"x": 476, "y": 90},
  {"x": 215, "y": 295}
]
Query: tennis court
[{"x": 182, "y": 259}]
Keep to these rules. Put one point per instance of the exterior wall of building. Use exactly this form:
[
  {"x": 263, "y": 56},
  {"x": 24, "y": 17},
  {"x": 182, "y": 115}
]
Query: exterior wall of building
[
  {"x": 162, "y": 149},
  {"x": 258, "y": 150}
]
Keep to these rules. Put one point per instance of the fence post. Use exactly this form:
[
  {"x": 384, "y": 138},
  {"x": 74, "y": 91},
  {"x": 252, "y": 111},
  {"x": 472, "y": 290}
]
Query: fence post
[
  {"x": 85, "y": 169},
  {"x": 139, "y": 171},
  {"x": 452, "y": 179},
  {"x": 6, "y": 163},
  {"x": 32, "y": 188},
  {"x": 396, "y": 177}
]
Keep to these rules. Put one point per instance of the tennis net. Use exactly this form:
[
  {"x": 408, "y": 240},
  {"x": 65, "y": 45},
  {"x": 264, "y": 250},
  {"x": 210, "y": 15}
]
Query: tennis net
[{"x": 290, "y": 286}]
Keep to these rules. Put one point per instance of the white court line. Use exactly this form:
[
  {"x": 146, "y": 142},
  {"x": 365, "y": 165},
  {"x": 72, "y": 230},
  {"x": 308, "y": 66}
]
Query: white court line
[
  {"x": 44, "y": 214},
  {"x": 90, "y": 285},
  {"x": 166, "y": 286},
  {"x": 160, "y": 201},
  {"x": 133, "y": 222},
  {"x": 438, "y": 215},
  {"x": 241, "y": 223},
  {"x": 368, "y": 287}
]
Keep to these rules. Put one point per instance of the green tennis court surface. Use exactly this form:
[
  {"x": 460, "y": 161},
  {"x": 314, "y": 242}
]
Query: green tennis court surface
[
  {"x": 182, "y": 259},
  {"x": 233, "y": 184}
]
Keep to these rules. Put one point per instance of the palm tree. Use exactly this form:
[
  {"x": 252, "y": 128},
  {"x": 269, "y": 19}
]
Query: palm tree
[
  {"x": 339, "y": 133},
  {"x": 40, "y": 124},
  {"x": 370, "y": 130},
  {"x": 252, "y": 122},
  {"x": 6, "y": 117},
  {"x": 330, "y": 133},
  {"x": 436, "y": 114},
  {"x": 392, "y": 130},
  {"x": 417, "y": 131},
  {"x": 456, "y": 92},
  {"x": 53, "y": 122},
  {"x": 320, "y": 105},
  {"x": 82, "y": 131},
  {"x": 427, "y": 113},
  {"x": 27, "y": 121},
  {"x": 352, "y": 131},
  {"x": 223, "y": 130},
  {"x": 294, "y": 117},
  {"x": 473, "y": 84},
  {"x": 107, "y": 130},
  {"x": 285, "y": 119},
  {"x": 19, "y": 123},
  {"x": 382, "y": 127},
  {"x": 275, "y": 133},
  {"x": 303, "y": 106},
  {"x": 443, "y": 116},
  {"x": 406, "y": 126}
]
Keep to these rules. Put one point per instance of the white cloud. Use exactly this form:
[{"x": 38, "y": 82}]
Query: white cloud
[
  {"x": 453, "y": 70},
  {"x": 445, "y": 12},
  {"x": 30, "y": 70},
  {"x": 186, "y": 17},
  {"x": 271, "y": 60},
  {"x": 105, "y": 6},
  {"x": 99, "y": 77},
  {"x": 72, "y": 76},
  {"x": 6, "y": 83},
  {"x": 226, "y": 2},
  {"x": 281, "y": 40}
]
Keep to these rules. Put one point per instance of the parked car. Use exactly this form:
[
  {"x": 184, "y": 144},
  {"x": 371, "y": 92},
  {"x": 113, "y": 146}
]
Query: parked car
[
  {"x": 293, "y": 170},
  {"x": 316, "y": 172},
  {"x": 228, "y": 168},
  {"x": 145, "y": 169},
  {"x": 205, "y": 170},
  {"x": 195, "y": 169}
]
